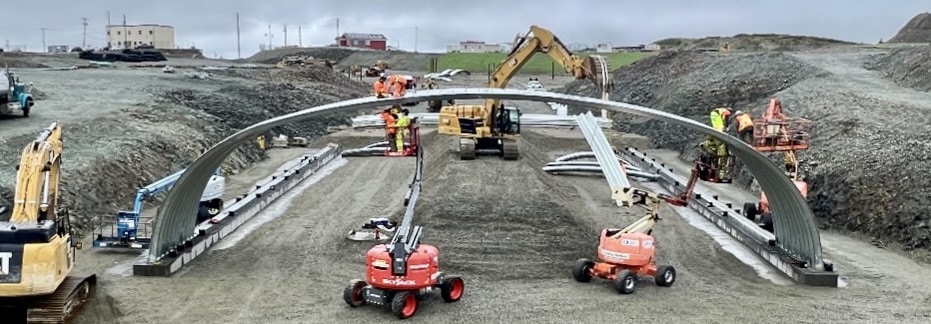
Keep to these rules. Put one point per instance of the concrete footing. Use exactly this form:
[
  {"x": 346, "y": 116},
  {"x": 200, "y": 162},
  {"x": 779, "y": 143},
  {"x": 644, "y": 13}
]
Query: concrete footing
[{"x": 730, "y": 219}]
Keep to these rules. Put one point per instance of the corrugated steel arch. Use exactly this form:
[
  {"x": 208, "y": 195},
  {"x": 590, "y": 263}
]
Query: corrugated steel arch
[{"x": 795, "y": 227}]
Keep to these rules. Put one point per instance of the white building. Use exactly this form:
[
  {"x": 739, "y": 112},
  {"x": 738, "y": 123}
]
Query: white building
[
  {"x": 604, "y": 48},
  {"x": 130, "y": 36},
  {"x": 474, "y": 47}
]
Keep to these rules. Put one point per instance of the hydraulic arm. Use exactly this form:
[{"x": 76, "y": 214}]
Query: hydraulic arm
[{"x": 407, "y": 238}]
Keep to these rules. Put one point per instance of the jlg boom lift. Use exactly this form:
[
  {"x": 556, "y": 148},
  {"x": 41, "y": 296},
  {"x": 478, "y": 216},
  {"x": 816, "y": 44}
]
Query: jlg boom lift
[
  {"x": 775, "y": 132},
  {"x": 399, "y": 273},
  {"x": 626, "y": 254},
  {"x": 494, "y": 127},
  {"x": 37, "y": 248},
  {"x": 388, "y": 148},
  {"x": 130, "y": 231}
]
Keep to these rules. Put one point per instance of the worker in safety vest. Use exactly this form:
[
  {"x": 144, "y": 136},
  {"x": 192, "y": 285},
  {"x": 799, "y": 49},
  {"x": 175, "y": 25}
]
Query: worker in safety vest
[
  {"x": 398, "y": 84},
  {"x": 402, "y": 129},
  {"x": 381, "y": 87},
  {"x": 390, "y": 129},
  {"x": 744, "y": 124},
  {"x": 719, "y": 118}
]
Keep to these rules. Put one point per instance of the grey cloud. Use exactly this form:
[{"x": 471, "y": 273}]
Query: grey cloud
[{"x": 211, "y": 26}]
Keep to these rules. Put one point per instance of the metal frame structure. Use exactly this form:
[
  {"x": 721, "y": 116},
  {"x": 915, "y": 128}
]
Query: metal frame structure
[{"x": 795, "y": 227}]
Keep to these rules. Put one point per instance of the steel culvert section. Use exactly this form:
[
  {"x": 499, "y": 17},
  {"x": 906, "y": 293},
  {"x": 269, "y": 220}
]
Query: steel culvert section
[{"x": 795, "y": 228}]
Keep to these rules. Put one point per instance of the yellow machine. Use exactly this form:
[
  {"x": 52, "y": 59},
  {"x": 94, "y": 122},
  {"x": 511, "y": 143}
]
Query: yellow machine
[
  {"x": 494, "y": 127},
  {"x": 36, "y": 247}
]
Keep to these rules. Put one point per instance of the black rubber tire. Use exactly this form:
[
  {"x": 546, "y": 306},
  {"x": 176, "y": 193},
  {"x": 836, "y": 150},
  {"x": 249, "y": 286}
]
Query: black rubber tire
[
  {"x": 203, "y": 213},
  {"x": 582, "y": 270},
  {"x": 352, "y": 294},
  {"x": 766, "y": 221},
  {"x": 452, "y": 288},
  {"x": 750, "y": 210},
  {"x": 626, "y": 282},
  {"x": 401, "y": 301},
  {"x": 28, "y": 107},
  {"x": 665, "y": 276}
]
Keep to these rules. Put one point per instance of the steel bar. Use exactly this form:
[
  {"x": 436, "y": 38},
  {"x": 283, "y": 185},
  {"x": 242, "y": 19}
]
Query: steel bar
[
  {"x": 526, "y": 120},
  {"x": 604, "y": 153}
]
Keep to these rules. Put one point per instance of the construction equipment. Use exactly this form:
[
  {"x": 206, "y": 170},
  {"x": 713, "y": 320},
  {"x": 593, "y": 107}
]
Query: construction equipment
[
  {"x": 375, "y": 70},
  {"x": 301, "y": 61},
  {"x": 626, "y": 254},
  {"x": 404, "y": 270},
  {"x": 15, "y": 97},
  {"x": 131, "y": 231},
  {"x": 388, "y": 148},
  {"x": 375, "y": 229},
  {"x": 37, "y": 248},
  {"x": 434, "y": 105},
  {"x": 775, "y": 132},
  {"x": 494, "y": 127},
  {"x": 283, "y": 141}
]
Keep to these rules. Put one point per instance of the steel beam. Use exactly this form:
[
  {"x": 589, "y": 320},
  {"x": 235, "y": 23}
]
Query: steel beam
[{"x": 795, "y": 228}]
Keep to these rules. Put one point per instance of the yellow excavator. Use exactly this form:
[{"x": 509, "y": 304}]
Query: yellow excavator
[
  {"x": 37, "y": 248},
  {"x": 494, "y": 127}
]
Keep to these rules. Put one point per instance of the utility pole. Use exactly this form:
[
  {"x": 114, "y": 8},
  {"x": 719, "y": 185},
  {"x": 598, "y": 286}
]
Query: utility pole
[
  {"x": 6, "y": 44},
  {"x": 300, "y": 39},
  {"x": 337, "y": 27},
  {"x": 270, "y": 36},
  {"x": 84, "y": 35},
  {"x": 416, "y": 32},
  {"x": 108, "y": 18},
  {"x": 44, "y": 48},
  {"x": 238, "y": 38},
  {"x": 285, "y": 35},
  {"x": 125, "y": 34}
]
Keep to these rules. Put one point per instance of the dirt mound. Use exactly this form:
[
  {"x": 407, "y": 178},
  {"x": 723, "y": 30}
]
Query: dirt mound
[
  {"x": 275, "y": 55},
  {"x": 908, "y": 67},
  {"x": 752, "y": 42},
  {"x": 917, "y": 30},
  {"x": 397, "y": 61},
  {"x": 19, "y": 61},
  {"x": 241, "y": 105},
  {"x": 689, "y": 83}
]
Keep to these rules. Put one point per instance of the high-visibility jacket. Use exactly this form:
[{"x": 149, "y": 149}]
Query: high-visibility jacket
[
  {"x": 389, "y": 122},
  {"x": 719, "y": 118},
  {"x": 402, "y": 122},
  {"x": 380, "y": 87},
  {"x": 743, "y": 121}
]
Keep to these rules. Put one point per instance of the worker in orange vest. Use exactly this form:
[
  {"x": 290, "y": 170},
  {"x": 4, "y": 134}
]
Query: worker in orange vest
[
  {"x": 398, "y": 84},
  {"x": 744, "y": 126},
  {"x": 390, "y": 127},
  {"x": 381, "y": 87}
]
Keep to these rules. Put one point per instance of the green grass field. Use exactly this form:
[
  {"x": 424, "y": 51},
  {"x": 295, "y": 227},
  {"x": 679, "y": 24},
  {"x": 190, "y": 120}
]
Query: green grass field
[{"x": 539, "y": 63}]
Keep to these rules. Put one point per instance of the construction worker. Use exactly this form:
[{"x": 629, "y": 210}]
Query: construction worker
[
  {"x": 381, "y": 87},
  {"x": 744, "y": 125},
  {"x": 398, "y": 84},
  {"x": 390, "y": 129},
  {"x": 719, "y": 118},
  {"x": 402, "y": 129}
]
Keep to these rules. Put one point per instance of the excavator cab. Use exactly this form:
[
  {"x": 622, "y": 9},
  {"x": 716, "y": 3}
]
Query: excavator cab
[{"x": 508, "y": 120}]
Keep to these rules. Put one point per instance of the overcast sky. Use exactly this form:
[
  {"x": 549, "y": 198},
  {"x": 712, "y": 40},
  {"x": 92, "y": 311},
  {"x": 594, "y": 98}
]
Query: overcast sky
[{"x": 212, "y": 26}]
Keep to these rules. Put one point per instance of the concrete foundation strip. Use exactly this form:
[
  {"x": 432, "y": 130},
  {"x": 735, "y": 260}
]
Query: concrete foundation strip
[
  {"x": 796, "y": 229},
  {"x": 730, "y": 219},
  {"x": 243, "y": 209}
]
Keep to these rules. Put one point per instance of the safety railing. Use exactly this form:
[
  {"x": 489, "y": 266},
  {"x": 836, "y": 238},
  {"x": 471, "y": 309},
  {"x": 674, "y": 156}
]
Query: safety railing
[{"x": 786, "y": 134}]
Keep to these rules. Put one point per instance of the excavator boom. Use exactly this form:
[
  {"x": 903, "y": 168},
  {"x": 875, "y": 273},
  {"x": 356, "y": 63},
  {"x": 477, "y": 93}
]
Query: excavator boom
[
  {"x": 495, "y": 127},
  {"x": 36, "y": 246}
]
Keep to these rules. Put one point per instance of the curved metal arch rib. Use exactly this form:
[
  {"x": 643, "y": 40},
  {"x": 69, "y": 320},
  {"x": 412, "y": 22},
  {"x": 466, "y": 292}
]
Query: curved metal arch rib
[{"x": 795, "y": 227}]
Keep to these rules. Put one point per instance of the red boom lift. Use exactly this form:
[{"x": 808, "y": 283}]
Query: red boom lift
[
  {"x": 628, "y": 253},
  {"x": 775, "y": 132},
  {"x": 400, "y": 272}
]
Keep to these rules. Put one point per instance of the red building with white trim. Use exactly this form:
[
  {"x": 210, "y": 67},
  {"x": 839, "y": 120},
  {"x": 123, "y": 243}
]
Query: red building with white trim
[{"x": 371, "y": 41}]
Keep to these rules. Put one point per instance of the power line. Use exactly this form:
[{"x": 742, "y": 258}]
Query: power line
[{"x": 84, "y": 40}]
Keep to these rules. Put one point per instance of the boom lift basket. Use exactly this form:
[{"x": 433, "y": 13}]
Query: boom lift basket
[{"x": 785, "y": 134}]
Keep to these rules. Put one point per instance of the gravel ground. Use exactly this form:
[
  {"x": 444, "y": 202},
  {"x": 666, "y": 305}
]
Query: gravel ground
[
  {"x": 855, "y": 166},
  {"x": 514, "y": 246},
  {"x": 908, "y": 67}
]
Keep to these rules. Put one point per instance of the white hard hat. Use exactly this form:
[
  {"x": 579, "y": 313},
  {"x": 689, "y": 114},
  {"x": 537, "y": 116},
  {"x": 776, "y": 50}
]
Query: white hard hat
[{"x": 738, "y": 112}]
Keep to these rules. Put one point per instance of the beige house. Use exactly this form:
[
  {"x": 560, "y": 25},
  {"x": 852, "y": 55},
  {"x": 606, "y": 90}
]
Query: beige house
[{"x": 130, "y": 36}]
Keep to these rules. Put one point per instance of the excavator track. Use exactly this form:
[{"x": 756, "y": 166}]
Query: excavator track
[
  {"x": 64, "y": 303},
  {"x": 509, "y": 149}
]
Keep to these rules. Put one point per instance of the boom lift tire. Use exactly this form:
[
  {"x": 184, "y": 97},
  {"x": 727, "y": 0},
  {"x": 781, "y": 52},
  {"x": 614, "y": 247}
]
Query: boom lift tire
[
  {"x": 665, "y": 276},
  {"x": 28, "y": 107},
  {"x": 452, "y": 288},
  {"x": 750, "y": 211},
  {"x": 766, "y": 221},
  {"x": 352, "y": 294},
  {"x": 582, "y": 271},
  {"x": 404, "y": 304},
  {"x": 626, "y": 282}
]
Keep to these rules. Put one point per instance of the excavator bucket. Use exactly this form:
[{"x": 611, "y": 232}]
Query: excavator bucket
[{"x": 600, "y": 73}]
